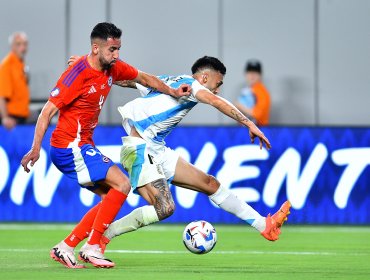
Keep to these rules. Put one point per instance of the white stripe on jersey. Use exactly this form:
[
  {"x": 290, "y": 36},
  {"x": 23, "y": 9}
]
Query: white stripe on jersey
[{"x": 155, "y": 114}]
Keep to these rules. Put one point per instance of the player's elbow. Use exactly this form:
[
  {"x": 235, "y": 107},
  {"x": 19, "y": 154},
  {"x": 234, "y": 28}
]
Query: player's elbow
[{"x": 48, "y": 111}]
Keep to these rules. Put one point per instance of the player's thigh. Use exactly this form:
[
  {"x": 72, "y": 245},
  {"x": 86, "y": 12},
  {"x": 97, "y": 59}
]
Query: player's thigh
[
  {"x": 190, "y": 177},
  {"x": 140, "y": 164}
]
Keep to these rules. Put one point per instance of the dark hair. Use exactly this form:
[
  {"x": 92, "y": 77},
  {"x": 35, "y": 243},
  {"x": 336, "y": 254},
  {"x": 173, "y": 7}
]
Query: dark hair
[
  {"x": 253, "y": 65},
  {"x": 208, "y": 62},
  {"x": 105, "y": 30}
]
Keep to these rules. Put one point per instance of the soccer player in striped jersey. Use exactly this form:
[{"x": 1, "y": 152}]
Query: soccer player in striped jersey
[
  {"x": 79, "y": 96},
  {"x": 151, "y": 164}
]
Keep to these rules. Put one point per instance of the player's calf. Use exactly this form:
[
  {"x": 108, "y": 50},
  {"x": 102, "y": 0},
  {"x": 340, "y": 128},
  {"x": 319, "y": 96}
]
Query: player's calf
[{"x": 163, "y": 201}]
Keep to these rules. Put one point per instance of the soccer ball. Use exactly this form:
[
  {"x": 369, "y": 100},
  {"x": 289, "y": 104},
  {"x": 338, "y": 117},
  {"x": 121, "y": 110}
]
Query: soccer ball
[{"x": 199, "y": 237}]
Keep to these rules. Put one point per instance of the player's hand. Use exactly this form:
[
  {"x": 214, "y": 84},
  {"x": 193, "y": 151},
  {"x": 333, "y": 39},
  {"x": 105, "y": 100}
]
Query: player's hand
[
  {"x": 73, "y": 59},
  {"x": 9, "y": 122},
  {"x": 183, "y": 90},
  {"x": 32, "y": 156},
  {"x": 255, "y": 132}
]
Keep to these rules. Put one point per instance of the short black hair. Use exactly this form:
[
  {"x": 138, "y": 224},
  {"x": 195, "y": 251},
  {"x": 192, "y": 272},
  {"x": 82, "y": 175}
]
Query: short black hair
[
  {"x": 253, "y": 65},
  {"x": 105, "y": 30},
  {"x": 208, "y": 62}
]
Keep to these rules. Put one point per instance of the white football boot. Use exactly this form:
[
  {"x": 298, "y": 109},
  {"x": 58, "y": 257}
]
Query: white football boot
[
  {"x": 65, "y": 255},
  {"x": 93, "y": 254}
]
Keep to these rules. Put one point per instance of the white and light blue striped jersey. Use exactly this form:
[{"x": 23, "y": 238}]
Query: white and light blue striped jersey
[{"x": 155, "y": 114}]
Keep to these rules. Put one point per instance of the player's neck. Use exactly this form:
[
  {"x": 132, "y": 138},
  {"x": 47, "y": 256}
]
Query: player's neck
[{"x": 94, "y": 62}]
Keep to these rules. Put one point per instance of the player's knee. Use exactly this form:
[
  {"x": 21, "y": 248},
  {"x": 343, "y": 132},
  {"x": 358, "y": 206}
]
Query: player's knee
[
  {"x": 123, "y": 187},
  {"x": 212, "y": 185},
  {"x": 117, "y": 180}
]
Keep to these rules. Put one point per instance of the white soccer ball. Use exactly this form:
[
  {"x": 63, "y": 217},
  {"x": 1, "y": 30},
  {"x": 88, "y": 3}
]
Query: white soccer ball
[{"x": 199, "y": 237}]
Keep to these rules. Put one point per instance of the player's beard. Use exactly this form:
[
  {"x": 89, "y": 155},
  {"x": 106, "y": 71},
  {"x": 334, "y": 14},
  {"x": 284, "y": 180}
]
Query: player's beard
[{"x": 105, "y": 64}]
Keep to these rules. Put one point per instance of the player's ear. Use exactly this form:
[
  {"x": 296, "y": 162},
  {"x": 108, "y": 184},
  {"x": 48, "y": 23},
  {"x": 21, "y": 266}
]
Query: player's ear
[
  {"x": 95, "y": 48},
  {"x": 204, "y": 77}
]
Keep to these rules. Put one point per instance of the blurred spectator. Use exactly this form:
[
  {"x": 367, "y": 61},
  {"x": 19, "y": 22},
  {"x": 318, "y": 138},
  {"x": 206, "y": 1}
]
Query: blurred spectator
[
  {"x": 254, "y": 100},
  {"x": 14, "y": 91}
]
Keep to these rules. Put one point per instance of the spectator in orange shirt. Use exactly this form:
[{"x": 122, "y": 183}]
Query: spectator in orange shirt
[
  {"x": 254, "y": 100},
  {"x": 14, "y": 91}
]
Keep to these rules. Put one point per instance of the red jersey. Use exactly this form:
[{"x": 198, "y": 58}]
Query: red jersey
[{"x": 79, "y": 95}]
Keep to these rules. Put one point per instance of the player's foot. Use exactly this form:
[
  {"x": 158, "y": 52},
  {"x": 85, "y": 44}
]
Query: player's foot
[
  {"x": 103, "y": 243},
  {"x": 92, "y": 254},
  {"x": 65, "y": 255},
  {"x": 271, "y": 231},
  {"x": 282, "y": 214},
  {"x": 275, "y": 222}
]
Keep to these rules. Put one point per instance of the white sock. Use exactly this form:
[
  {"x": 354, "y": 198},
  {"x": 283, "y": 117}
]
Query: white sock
[
  {"x": 65, "y": 247},
  {"x": 229, "y": 202},
  {"x": 138, "y": 218}
]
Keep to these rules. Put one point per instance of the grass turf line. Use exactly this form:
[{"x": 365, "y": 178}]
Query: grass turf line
[{"x": 157, "y": 252}]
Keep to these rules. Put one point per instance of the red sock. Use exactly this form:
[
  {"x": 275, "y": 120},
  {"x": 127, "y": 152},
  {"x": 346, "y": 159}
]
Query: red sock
[
  {"x": 83, "y": 228},
  {"x": 109, "y": 208}
]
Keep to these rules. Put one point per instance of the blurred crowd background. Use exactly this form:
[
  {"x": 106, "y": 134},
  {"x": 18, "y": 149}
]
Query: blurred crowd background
[{"x": 313, "y": 55}]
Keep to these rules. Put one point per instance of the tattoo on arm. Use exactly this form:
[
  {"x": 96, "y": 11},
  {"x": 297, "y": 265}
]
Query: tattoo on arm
[
  {"x": 127, "y": 83},
  {"x": 164, "y": 204},
  {"x": 238, "y": 116}
]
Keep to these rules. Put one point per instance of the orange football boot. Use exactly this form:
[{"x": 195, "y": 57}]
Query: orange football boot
[{"x": 275, "y": 222}]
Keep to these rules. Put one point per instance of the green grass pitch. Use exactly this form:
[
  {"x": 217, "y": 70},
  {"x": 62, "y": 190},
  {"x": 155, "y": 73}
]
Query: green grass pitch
[{"x": 157, "y": 252}]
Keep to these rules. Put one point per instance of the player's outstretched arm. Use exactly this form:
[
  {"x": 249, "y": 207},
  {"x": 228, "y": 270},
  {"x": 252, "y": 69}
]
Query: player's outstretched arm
[
  {"x": 151, "y": 81},
  {"x": 127, "y": 83},
  {"x": 42, "y": 124},
  {"x": 230, "y": 110}
]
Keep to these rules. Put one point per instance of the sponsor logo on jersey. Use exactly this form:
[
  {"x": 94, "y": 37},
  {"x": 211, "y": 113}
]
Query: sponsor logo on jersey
[
  {"x": 55, "y": 92},
  {"x": 110, "y": 80},
  {"x": 101, "y": 101},
  {"x": 102, "y": 86},
  {"x": 106, "y": 159},
  {"x": 92, "y": 90}
]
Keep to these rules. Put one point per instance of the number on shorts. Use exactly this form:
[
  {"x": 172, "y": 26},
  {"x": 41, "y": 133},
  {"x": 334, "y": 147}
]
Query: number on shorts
[{"x": 92, "y": 152}]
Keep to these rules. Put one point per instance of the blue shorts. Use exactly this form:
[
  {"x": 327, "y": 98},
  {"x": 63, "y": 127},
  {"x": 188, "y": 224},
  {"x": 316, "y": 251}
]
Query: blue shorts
[{"x": 86, "y": 164}]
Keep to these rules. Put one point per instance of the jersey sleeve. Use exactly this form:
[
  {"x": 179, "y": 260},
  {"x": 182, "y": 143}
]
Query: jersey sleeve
[
  {"x": 123, "y": 71},
  {"x": 195, "y": 88},
  {"x": 68, "y": 87},
  {"x": 5, "y": 81},
  {"x": 143, "y": 90}
]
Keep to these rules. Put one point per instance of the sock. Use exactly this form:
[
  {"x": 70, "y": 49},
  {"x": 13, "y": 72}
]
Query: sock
[
  {"x": 138, "y": 218},
  {"x": 109, "y": 208},
  {"x": 229, "y": 202},
  {"x": 64, "y": 246},
  {"x": 83, "y": 228}
]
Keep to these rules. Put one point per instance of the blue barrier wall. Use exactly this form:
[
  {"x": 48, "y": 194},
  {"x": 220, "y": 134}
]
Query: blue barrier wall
[{"x": 324, "y": 172}]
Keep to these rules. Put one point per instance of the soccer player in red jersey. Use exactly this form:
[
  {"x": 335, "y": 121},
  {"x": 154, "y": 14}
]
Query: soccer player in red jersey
[{"x": 79, "y": 96}]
